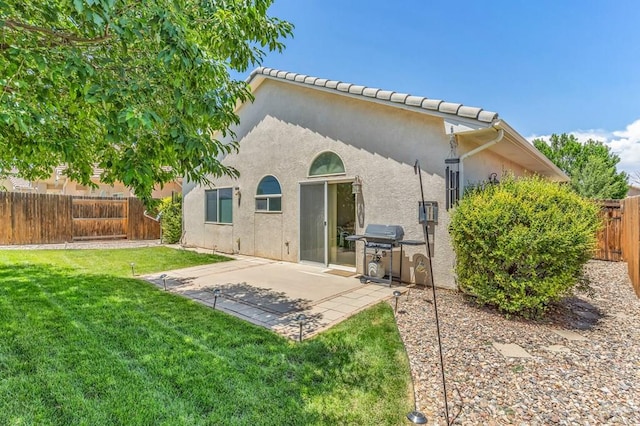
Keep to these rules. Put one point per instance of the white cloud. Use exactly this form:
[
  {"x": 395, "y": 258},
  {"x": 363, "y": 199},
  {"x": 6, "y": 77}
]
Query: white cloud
[{"x": 625, "y": 143}]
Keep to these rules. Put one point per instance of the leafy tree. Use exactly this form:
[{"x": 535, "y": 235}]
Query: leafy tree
[
  {"x": 140, "y": 89},
  {"x": 590, "y": 165}
]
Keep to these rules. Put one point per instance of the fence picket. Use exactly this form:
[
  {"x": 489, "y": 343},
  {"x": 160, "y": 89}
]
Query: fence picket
[{"x": 27, "y": 218}]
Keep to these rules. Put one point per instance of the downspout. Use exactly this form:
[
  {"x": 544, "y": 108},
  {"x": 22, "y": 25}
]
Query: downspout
[{"x": 494, "y": 141}]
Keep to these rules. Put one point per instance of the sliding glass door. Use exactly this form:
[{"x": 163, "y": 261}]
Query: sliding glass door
[
  {"x": 313, "y": 222},
  {"x": 327, "y": 217}
]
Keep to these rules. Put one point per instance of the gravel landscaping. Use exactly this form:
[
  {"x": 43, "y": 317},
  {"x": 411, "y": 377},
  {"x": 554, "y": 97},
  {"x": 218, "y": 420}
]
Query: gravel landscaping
[{"x": 583, "y": 364}]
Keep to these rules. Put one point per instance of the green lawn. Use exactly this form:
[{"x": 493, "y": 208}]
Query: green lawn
[{"x": 83, "y": 342}]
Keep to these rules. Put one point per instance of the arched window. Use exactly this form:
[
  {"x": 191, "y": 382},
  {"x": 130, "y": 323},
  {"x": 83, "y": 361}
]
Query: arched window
[
  {"x": 269, "y": 195},
  {"x": 327, "y": 163}
]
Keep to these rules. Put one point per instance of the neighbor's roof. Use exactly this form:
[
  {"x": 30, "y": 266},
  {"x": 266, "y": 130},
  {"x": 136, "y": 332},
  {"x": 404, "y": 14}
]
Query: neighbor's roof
[
  {"x": 434, "y": 105},
  {"x": 20, "y": 183}
]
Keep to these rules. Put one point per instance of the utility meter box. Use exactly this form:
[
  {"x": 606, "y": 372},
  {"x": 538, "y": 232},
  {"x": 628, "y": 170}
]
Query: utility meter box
[{"x": 431, "y": 210}]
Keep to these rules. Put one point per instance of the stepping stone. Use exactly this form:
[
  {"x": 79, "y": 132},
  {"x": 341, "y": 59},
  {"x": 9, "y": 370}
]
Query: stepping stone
[
  {"x": 569, "y": 335},
  {"x": 556, "y": 348},
  {"x": 511, "y": 350}
]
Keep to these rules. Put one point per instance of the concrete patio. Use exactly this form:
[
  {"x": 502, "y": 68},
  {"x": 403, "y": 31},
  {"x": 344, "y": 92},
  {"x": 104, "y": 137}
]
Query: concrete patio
[{"x": 273, "y": 294}]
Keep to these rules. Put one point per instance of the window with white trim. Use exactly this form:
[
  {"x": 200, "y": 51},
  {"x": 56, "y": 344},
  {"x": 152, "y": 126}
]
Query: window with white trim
[
  {"x": 269, "y": 195},
  {"x": 219, "y": 205}
]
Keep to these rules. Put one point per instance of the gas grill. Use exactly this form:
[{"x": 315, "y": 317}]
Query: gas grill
[{"x": 379, "y": 239}]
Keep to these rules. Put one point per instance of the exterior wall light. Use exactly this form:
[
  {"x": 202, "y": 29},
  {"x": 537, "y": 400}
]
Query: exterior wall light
[
  {"x": 493, "y": 179},
  {"x": 356, "y": 186}
]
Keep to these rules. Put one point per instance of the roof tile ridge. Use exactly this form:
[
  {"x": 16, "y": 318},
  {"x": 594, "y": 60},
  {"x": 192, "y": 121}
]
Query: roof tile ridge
[{"x": 451, "y": 108}]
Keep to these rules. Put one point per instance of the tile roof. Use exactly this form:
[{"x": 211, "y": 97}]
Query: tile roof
[{"x": 382, "y": 95}]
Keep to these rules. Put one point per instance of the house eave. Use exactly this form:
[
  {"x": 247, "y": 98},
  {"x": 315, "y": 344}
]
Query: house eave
[
  {"x": 454, "y": 114},
  {"x": 515, "y": 148}
]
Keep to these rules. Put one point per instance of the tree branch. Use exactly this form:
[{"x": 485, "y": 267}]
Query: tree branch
[{"x": 69, "y": 38}]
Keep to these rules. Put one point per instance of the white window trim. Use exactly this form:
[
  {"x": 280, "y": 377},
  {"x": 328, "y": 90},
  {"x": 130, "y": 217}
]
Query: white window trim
[
  {"x": 268, "y": 197},
  {"x": 326, "y": 175}
]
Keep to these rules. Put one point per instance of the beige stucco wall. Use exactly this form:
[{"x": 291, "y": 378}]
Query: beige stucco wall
[{"x": 288, "y": 126}]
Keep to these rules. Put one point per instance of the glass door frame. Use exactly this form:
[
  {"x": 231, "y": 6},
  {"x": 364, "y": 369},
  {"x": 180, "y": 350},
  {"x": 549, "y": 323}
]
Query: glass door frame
[
  {"x": 325, "y": 200},
  {"x": 325, "y": 183}
]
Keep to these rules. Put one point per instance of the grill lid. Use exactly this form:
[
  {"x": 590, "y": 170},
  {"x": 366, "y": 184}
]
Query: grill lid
[{"x": 384, "y": 232}]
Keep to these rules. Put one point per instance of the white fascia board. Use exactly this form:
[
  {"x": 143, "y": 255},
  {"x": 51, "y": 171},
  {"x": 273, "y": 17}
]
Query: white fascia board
[{"x": 531, "y": 150}]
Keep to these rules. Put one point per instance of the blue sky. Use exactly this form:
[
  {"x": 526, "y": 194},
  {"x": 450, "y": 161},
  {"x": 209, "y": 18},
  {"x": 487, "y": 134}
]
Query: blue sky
[{"x": 544, "y": 66}]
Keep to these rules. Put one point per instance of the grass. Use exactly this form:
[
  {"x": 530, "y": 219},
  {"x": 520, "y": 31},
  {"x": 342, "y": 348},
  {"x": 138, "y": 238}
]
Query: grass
[{"x": 83, "y": 342}]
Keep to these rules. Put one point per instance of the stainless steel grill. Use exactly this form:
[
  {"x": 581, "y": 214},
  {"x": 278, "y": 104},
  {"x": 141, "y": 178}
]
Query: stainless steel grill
[
  {"x": 386, "y": 236},
  {"x": 378, "y": 238}
]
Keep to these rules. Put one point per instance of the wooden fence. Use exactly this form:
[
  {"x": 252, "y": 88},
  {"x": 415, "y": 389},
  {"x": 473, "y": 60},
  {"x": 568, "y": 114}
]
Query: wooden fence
[
  {"x": 630, "y": 241},
  {"x": 45, "y": 219},
  {"x": 99, "y": 218},
  {"x": 619, "y": 238},
  {"x": 610, "y": 235}
]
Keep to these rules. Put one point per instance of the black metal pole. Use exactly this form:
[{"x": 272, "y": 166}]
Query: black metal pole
[{"x": 418, "y": 171}]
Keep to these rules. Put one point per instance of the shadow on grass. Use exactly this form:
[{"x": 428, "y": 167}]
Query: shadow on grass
[{"x": 96, "y": 349}]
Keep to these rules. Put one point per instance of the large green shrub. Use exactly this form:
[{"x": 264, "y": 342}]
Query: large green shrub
[
  {"x": 522, "y": 243},
  {"x": 171, "y": 208}
]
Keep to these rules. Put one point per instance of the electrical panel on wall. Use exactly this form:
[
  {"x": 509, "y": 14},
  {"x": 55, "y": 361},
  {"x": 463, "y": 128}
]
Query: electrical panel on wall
[{"x": 431, "y": 210}]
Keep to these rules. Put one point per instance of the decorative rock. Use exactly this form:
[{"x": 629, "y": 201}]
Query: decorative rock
[{"x": 595, "y": 382}]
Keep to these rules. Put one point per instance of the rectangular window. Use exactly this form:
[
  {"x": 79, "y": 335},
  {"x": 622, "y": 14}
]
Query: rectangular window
[
  {"x": 219, "y": 205},
  {"x": 271, "y": 203}
]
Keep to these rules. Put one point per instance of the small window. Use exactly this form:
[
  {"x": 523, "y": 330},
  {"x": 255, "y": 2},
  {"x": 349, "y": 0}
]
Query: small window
[
  {"x": 327, "y": 163},
  {"x": 219, "y": 205},
  {"x": 269, "y": 195}
]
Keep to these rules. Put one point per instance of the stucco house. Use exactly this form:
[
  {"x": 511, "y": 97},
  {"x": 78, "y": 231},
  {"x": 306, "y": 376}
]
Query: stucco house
[{"x": 321, "y": 159}]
